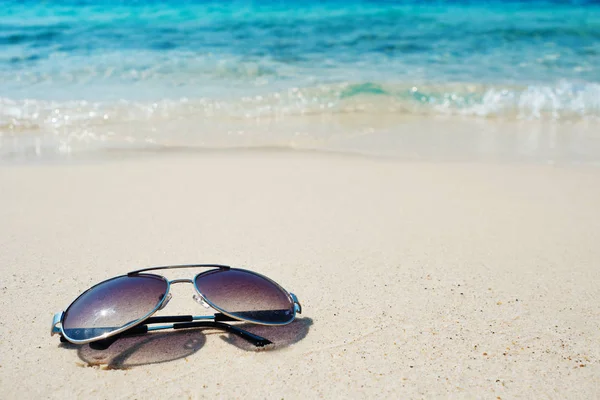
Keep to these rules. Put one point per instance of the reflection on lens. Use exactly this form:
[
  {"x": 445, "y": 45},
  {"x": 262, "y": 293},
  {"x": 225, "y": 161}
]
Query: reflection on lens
[
  {"x": 113, "y": 304},
  {"x": 246, "y": 295}
]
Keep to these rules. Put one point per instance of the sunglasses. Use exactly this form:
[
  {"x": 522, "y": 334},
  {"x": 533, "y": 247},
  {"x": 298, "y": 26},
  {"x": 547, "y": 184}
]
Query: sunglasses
[{"x": 124, "y": 305}]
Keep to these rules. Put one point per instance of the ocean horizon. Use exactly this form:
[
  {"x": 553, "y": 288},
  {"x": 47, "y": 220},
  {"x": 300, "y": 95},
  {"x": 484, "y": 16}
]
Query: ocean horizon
[{"x": 89, "y": 76}]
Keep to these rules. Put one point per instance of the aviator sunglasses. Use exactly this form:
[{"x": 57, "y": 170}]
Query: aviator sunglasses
[{"x": 124, "y": 305}]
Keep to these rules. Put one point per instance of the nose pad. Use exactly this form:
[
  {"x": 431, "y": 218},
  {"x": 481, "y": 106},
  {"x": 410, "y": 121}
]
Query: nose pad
[
  {"x": 164, "y": 304},
  {"x": 200, "y": 300}
]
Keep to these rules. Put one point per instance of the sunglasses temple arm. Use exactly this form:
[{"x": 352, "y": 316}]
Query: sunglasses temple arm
[
  {"x": 256, "y": 340},
  {"x": 218, "y": 317},
  {"x": 181, "y": 322}
]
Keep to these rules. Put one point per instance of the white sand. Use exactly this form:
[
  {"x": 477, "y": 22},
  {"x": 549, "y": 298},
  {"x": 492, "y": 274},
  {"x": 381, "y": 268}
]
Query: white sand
[{"x": 417, "y": 280}]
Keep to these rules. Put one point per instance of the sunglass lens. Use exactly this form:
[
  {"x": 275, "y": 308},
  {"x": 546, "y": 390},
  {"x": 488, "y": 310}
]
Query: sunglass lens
[
  {"x": 246, "y": 295},
  {"x": 113, "y": 304}
]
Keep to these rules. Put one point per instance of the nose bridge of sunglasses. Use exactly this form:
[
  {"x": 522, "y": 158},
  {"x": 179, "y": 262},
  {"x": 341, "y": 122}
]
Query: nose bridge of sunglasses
[
  {"x": 200, "y": 301},
  {"x": 181, "y": 280}
]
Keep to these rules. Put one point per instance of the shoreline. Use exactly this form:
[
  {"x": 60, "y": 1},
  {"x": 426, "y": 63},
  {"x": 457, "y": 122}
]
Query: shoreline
[{"x": 402, "y": 138}]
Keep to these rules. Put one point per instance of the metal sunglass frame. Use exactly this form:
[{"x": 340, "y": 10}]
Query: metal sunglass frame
[{"x": 141, "y": 325}]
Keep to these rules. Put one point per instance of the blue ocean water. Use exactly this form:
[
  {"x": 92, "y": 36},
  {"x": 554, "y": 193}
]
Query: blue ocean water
[{"x": 76, "y": 69}]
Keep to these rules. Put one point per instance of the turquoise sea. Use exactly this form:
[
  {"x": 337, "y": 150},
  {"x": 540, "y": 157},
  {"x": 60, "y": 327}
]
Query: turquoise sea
[{"x": 91, "y": 75}]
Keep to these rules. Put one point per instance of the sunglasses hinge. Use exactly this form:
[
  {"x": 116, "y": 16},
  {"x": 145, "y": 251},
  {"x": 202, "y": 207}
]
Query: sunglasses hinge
[
  {"x": 54, "y": 329},
  {"x": 297, "y": 305}
]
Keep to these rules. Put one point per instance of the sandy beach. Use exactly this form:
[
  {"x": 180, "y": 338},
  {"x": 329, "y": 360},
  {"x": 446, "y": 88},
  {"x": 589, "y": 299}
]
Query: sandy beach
[
  {"x": 417, "y": 280},
  {"x": 423, "y": 175}
]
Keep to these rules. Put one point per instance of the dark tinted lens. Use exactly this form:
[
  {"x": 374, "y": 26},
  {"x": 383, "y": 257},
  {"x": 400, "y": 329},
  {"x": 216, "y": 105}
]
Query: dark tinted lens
[
  {"x": 246, "y": 295},
  {"x": 112, "y": 304}
]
